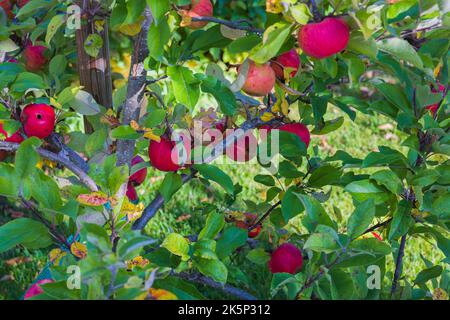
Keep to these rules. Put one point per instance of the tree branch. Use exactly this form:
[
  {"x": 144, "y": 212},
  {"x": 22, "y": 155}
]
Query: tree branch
[
  {"x": 151, "y": 210},
  {"x": 398, "y": 264},
  {"x": 137, "y": 81},
  {"x": 230, "y": 24},
  {"x": 79, "y": 172},
  {"x": 198, "y": 278}
]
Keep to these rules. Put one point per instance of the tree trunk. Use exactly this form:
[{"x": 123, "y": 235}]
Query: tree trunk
[{"x": 95, "y": 73}]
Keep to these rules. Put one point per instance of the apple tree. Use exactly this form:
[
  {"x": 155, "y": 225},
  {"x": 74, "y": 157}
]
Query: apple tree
[{"x": 213, "y": 81}]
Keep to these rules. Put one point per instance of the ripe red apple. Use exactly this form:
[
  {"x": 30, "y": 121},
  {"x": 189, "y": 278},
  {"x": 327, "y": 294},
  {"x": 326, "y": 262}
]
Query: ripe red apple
[
  {"x": 300, "y": 130},
  {"x": 200, "y": 8},
  {"x": 160, "y": 154},
  {"x": 132, "y": 193},
  {"x": 36, "y": 289},
  {"x": 435, "y": 107},
  {"x": 14, "y": 138},
  {"x": 290, "y": 59},
  {"x": 241, "y": 150},
  {"x": 287, "y": 258},
  {"x": 250, "y": 219},
  {"x": 323, "y": 39},
  {"x": 7, "y": 7},
  {"x": 38, "y": 120},
  {"x": 260, "y": 79},
  {"x": 138, "y": 177},
  {"x": 34, "y": 57}
]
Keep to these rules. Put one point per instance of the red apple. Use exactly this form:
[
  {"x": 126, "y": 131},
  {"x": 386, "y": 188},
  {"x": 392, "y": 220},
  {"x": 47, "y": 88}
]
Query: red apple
[
  {"x": 163, "y": 155},
  {"x": 7, "y": 7},
  {"x": 38, "y": 120},
  {"x": 14, "y": 138},
  {"x": 260, "y": 79},
  {"x": 323, "y": 39},
  {"x": 250, "y": 219},
  {"x": 290, "y": 59},
  {"x": 36, "y": 289},
  {"x": 34, "y": 57},
  {"x": 435, "y": 107},
  {"x": 138, "y": 177},
  {"x": 300, "y": 130},
  {"x": 241, "y": 150},
  {"x": 286, "y": 259},
  {"x": 200, "y": 8},
  {"x": 132, "y": 194}
]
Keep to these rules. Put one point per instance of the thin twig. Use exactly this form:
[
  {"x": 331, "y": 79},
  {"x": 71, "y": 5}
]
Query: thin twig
[
  {"x": 398, "y": 264},
  {"x": 198, "y": 278},
  {"x": 230, "y": 24}
]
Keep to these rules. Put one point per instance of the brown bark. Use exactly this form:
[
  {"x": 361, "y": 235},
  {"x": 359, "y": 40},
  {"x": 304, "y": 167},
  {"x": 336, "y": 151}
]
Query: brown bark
[{"x": 95, "y": 73}]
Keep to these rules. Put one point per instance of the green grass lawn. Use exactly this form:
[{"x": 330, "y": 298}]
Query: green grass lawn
[{"x": 181, "y": 214}]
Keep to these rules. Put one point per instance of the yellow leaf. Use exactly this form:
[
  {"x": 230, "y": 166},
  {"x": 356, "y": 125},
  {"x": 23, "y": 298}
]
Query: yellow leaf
[
  {"x": 160, "y": 294},
  {"x": 440, "y": 294},
  {"x": 56, "y": 255},
  {"x": 94, "y": 199},
  {"x": 134, "y": 125},
  {"x": 131, "y": 210},
  {"x": 274, "y": 6},
  {"x": 150, "y": 135},
  {"x": 186, "y": 20},
  {"x": 139, "y": 261},
  {"x": 79, "y": 250},
  {"x": 267, "y": 116},
  {"x": 133, "y": 28}
]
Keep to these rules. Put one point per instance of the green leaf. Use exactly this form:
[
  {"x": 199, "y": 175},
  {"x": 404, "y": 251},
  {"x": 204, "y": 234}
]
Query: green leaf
[
  {"x": 159, "y": 8},
  {"x": 27, "y": 81},
  {"x": 186, "y": 87},
  {"x": 402, "y": 220},
  {"x": 386, "y": 156},
  {"x": 265, "y": 180},
  {"x": 321, "y": 242},
  {"x": 55, "y": 23},
  {"x": 315, "y": 213},
  {"x": 212, "y": 268},
  {"x": 96, "y": 142},
  {"x": 428, "y": 274},
  {"x": 23, "y": 231},
  {"x": 325, "y": 175},
  {"x": 178, "y": 245},
  {"x": 274, "y": 38},
  {"x": 395, "y": 95},
  {"x": 223, "y": 95},
  {"x": 27, "y": 157},
  {"x": 58, "y": 65},
  {"x": 291, "y": 205},
  {"x": 85, "y": 104},
  {"x": 425, "y": 177},
  {"x": 231, "y": 239},
  {"x": 388, "y": 179},
  {"x": 258, "y": 256},
  {"x": 213, "y": 173},
  {"x": 214, "y": 224},
  {"x": 171, "y": 184},
  {"x": 365, "y": 189},
  {"x": 402, "y": 50},
  {"x": 131, "y": 248},
  {"x": 125, "y": 133},
  {"x": 93, "y": 44},
  {"x": 158, "y": 37},
  {"x": 361, "y": 218}
]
